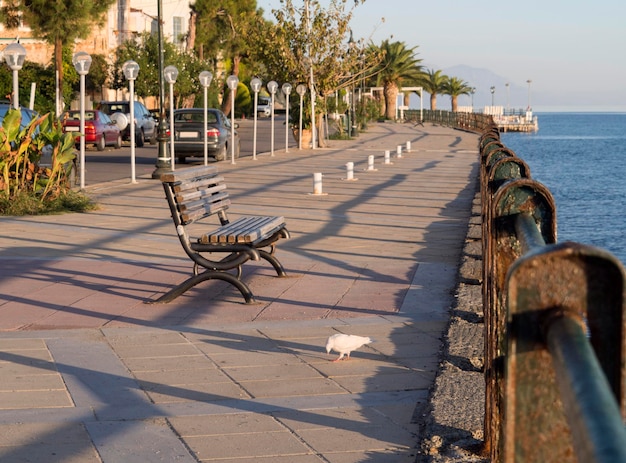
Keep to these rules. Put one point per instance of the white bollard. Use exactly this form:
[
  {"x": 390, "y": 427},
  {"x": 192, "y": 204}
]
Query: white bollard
[
  {"x": 399, "y": 151},
  {"x": 317, "y": 183},
  {"x": 370, "y": 162},
  {"x": 387, "y": 157},
  {"x": 350, "y": 171},
  {"x": 408, "y": 146}
]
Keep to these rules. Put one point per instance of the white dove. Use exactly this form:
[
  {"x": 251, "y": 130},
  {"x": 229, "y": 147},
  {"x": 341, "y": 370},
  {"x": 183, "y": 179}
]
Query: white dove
[{"x": 345, "y": 343}]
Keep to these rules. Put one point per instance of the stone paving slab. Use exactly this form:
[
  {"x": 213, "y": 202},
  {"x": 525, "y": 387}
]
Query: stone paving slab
[{"x": 90, "y": 372}]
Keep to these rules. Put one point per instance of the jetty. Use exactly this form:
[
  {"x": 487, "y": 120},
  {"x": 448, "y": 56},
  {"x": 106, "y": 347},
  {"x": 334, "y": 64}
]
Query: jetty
[
  {"x": 517, "y": 123},
  {"x": 519, "y": 120}
]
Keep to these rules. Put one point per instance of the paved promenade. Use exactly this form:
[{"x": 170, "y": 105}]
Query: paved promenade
[{"x": 91, "y": 373}]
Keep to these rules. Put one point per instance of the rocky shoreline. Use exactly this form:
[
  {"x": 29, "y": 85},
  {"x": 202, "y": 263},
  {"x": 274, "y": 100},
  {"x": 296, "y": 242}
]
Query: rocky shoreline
[{"x": 452, "y": 421}]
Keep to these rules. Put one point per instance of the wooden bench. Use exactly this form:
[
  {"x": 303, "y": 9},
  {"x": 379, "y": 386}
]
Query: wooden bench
[{"x": 200, "y": 192}]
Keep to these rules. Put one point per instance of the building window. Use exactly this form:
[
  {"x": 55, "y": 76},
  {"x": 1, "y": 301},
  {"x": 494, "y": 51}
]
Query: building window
[{"x": 177, "y": 33}]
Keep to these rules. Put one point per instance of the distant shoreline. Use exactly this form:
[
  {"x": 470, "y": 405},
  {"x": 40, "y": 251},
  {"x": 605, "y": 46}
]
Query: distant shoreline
[{"x": 579, "y": 109}]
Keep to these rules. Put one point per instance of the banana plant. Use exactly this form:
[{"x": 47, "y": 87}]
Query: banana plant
[{"x": 21, "y": 151}]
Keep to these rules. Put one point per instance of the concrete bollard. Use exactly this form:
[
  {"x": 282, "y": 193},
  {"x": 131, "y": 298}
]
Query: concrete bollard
[
  {"x": 408, "y": 146},
  {"x": 387, "y": 157},
  {"x": 317, "y": 183},
  {"x": 370, "y": 162},
  {"x": 399, "y": 151},
  {"x": 350, "y": 171}
]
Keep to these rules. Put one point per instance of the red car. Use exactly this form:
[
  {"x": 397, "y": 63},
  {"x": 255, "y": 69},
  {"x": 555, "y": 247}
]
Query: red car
[{"x": 100, "y": 130}]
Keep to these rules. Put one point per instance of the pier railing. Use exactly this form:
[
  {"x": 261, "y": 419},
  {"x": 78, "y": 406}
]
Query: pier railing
[
  {"x": 555, "y": 337},
  {"x": 473, "y": 122}
]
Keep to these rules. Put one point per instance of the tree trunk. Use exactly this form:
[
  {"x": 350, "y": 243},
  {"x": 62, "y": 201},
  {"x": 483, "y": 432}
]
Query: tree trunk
[
  {"x": 191, "y": 36},
  {"x": 390, "y": 92},
  {"x": 433, "y": 101},
  {"x": 226, "y": 104},
  {"x": 454, "y": 104},
  {"x": 320, "y": 137}
]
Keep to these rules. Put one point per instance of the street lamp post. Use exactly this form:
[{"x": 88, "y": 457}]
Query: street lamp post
[
  {"x": 205, "y": 80},
  {"x": 300, "y": 90},
  {"x": 171, "y": 74},
  {"x": 529, "y": 82},
  {"x": 14, "y": 55},
  {"x": 81, "y": 61},
  {"x": 472, "y": 91},
  {"x": 163, "y": 162},
  {"x": 286, "y": 90},
  {"x": 272, "y": 86},
  {"x": 507, "y": 85},
  {"x": 493, "y": 90},
  {"x": 130, "y": 69},
  {"x": 256, "y": 87},
  {"x": 232, "y": 81}
]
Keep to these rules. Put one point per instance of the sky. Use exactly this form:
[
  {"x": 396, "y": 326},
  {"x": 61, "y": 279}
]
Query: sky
[{"x": 572, "y": 51}]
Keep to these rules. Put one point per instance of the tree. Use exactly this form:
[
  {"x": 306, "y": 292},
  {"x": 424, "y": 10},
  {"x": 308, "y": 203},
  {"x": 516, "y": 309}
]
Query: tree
[
  {"x": 434, "y": 83},
  {"x": 145, "y": 51},
  {"x": 63, "y": 21},
  {"x": 399, "y": 67},
  {"x": 309, "y": 40},
  {"x": 221, "y": 30},
  {"x": 454, "y": 87}
]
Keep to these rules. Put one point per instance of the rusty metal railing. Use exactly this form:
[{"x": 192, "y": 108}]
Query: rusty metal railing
[
  {"x": 472, "y": 122},
  {"x": 555, "y": 343}
]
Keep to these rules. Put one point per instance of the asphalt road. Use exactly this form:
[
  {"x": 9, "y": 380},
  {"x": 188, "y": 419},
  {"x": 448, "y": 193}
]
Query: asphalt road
[{"x": 115, "y": 164}]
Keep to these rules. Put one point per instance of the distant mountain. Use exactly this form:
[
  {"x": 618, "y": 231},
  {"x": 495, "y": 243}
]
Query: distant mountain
[{"x": 515, "y": 97}]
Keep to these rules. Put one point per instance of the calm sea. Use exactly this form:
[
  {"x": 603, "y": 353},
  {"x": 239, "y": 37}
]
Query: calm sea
[{"x": 581, "y": 158}]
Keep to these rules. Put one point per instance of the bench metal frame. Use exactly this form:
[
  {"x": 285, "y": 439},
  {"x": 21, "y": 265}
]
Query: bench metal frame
[{"x": 200, "y": 192}]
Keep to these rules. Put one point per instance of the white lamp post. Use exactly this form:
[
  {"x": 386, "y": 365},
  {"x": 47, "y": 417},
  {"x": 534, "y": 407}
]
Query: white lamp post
[
  {"x": 507, "y": 85},
  {"x": 287, "y": 90},
  {"x": 205, "y": 80},
  {"x": 232, "y": 81},
  {"x": 130, "y": 69},
  {"x": 256, "y": 87},
  {"x": 300, "y": 90},
  {"x": 81, "y": 61},
  {"x": 272, "y": 86},
  {"x": 14, "y": 55},
  {"x": 171, "y": 74}
]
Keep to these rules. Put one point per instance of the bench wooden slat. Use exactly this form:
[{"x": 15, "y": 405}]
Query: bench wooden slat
[
  {"x": 184, "y": 174},
  {"x": 190, "y": 215},
  {"x": 244, "y": 230},
  {"x": 194, "y": 201},
  {"x": 199, "y": 184}
]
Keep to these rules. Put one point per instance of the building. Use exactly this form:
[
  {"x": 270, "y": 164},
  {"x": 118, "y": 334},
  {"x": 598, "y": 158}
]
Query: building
[{"x": 124, "y": 20}]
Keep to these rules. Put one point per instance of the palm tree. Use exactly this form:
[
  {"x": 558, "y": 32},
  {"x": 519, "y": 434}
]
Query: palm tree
[
  {"x": 454, "y": 87},
  {"x": 433, "y": 83},
  {"x": 398, "y": 67}
]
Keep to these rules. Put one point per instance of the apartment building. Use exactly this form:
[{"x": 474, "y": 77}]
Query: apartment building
[{"x": 124, "y": 20}]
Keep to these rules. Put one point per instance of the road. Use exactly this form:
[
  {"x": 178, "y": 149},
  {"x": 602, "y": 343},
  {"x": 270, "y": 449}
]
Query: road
[{"x": 115, "y": 164}]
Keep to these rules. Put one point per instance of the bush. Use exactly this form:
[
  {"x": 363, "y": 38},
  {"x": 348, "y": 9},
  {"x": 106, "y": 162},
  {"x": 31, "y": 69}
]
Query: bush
[{"x": 27, "y": 187}]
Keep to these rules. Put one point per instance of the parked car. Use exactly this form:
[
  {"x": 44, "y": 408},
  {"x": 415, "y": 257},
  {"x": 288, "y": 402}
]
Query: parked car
[
  {"x": 145, "y": 124},
  {"x": 27, "y": 114},
  {"x": 100, "y": 130},
  {"x": 264, "y": 106},
  {"x": 189, "y": 134}
]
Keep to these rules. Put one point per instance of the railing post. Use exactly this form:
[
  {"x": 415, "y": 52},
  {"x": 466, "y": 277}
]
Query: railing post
[
  {"x": 562, "y": 299},
  {"x": 502, "y": 249}
]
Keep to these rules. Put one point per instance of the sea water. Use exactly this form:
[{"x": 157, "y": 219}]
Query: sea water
[{"x": 581, "y": 158}]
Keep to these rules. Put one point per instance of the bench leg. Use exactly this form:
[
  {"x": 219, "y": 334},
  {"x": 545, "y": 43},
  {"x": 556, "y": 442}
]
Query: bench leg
[
  {"x": 272, "y": 260},
  {"x": 204, "y": 276}
]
